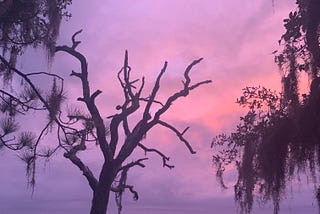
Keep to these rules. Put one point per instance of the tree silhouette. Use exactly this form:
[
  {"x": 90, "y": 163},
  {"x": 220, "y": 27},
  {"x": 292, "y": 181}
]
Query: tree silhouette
[
  {"x": 279, "y": 137},
  {"x": 75, "y": 129}
]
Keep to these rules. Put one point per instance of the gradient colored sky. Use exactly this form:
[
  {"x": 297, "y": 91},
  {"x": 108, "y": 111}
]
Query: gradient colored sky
[{"x": 236, "y": 39}]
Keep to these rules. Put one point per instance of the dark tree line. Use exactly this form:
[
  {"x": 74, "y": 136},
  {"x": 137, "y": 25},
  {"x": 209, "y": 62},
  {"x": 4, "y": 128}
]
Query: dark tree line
[{"x": 279, "y": 137}]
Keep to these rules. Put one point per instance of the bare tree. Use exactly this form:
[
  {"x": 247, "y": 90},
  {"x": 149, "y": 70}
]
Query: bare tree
[{"x": 76, "y": 129}]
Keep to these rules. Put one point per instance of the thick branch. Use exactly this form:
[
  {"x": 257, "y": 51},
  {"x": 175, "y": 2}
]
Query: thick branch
[
  {"x": 71, "y": 155},
  {"x": 132, "y": 141},
  {"x": 93, "y": 183},
  {"x": 89, "y": 100},
  {"x": 117, "y": 119}
]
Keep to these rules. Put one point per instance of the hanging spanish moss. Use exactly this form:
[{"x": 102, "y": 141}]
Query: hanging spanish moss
[
  {"x": 270, "y": 146},
  {"x": 29, "y": 23},
  {"x": 54, "y": 99},
  {"x": 279, "y": 138}
]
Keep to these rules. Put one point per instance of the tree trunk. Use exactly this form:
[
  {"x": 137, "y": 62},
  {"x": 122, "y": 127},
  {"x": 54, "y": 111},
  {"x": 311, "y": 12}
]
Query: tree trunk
[
  {"x": 100, "y": 201},
  {"x": 101, "y": 193}
]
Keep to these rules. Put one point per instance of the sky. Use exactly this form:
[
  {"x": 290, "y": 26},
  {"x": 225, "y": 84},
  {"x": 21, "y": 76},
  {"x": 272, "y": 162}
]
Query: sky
[{"x": 236, "y": 40}]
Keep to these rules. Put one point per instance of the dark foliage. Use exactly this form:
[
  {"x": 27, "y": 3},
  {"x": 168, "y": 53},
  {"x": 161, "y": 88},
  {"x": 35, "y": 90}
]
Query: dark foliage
[
  {"x": 279, "y": 137},
  {"x": 29, "y": 23}
]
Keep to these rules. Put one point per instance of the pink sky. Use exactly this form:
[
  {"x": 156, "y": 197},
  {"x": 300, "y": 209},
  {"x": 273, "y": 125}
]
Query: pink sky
[{"x": 236, "y": 39}]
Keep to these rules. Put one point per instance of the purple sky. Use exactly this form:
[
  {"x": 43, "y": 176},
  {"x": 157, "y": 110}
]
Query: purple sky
[{"x": 236, "y": 39}]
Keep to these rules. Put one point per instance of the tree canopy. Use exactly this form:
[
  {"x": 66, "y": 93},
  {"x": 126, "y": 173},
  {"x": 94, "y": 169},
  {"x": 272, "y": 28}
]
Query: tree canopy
[
  {"x": 279, "y": 137},
  {"x": 29, "y": 23}
]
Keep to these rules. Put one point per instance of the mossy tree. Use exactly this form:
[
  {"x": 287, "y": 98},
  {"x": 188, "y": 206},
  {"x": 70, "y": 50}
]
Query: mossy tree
[
  {"x": 31, "y": 23},
  {"x": 279, "y": 137}
]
